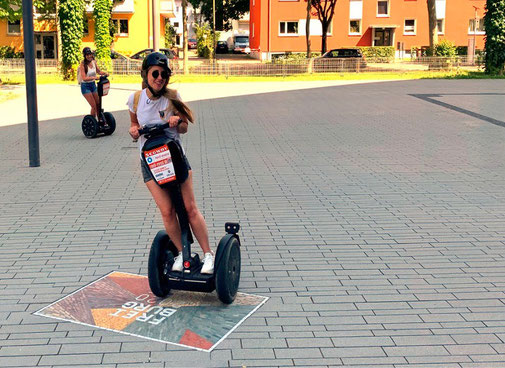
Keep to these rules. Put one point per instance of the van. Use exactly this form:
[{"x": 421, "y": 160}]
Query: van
[{"x": 241, "y": 44}]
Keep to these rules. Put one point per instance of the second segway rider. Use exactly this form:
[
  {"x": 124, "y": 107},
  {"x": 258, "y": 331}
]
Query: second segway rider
[
  {"x": 158, "y": 104},
  {"x": 88, "y": 72}
]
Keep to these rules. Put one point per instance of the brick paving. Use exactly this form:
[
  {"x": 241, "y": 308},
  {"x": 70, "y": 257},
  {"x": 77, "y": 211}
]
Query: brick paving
[{"x": 371, "y": 216}]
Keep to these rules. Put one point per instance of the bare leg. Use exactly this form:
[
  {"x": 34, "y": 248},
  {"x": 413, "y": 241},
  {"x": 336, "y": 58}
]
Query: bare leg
[
  {"x": 196, "y": 219},
  {"x": 91, "y": 100},
  {"x": 164, "y": 203},
  {"x": 95, "y": 97}
]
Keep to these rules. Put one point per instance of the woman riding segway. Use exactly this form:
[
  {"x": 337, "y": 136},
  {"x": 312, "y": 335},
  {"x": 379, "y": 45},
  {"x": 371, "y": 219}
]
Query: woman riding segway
[
  {"x": 88, "y": 72},
  {"x": 155, "y": 105}
]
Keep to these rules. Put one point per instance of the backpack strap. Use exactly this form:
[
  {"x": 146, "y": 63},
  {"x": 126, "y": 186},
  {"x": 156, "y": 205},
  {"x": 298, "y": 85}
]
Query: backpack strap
[{"x": 136, "y": 98}]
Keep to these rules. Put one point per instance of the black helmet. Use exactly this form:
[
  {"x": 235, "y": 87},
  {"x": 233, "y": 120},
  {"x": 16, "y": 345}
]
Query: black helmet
[
  {"x": 155, "y": 59},
  {"x": 86, "y": 51}
]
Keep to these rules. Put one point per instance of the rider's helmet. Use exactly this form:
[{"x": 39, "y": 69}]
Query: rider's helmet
[
  {"x": 86, "y": 51},
  {"x": 155, "y": 59}
]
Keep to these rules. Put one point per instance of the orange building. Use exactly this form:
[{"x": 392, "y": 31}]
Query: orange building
[
  {"x": 132, "y": 20},
  {"x": 278, "y": 26}
]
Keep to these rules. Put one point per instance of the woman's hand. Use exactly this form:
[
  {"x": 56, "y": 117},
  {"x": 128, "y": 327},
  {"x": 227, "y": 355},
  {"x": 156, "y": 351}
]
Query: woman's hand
[
  {"x": 134, "y": 132},
  {"x": 174, "y": 121}
]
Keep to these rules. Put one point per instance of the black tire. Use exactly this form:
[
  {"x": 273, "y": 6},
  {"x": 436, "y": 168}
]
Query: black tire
[
  {"x": 228, "y": 272},
  {"x": 89, "y": 126},
  {"x": 111, "y": 121},
  {"x": 161, "y": 259}
]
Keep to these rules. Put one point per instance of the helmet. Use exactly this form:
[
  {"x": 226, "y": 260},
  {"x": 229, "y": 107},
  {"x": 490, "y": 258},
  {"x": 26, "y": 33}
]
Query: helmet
[
  {"x": 86, "y": 51},
  {"x": 155, "y": 59}
]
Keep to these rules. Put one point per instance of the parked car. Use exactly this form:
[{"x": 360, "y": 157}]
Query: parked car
[
  {"x": 340, "y": 60},
  {"x": 222, "y": 47},
  {"x": 241, "y": 44},
  {"x": 192, "y": 43},
  {"x": 122, "y": 64},
  {"x": 143, "y": 53}
]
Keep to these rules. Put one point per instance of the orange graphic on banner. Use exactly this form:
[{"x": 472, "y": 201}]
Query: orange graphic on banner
[{"x": 192, "y": 339}]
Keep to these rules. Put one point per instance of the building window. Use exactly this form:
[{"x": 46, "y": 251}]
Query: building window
[
  {"x": 14, "y": 28},
  {"x": 409, "y": 27},
  {"x": 440, "y": 26},
  {"x": 288, "y": 28},
  {"x": 476, "y": 26},
  {"x": 355, "y": 27},
  {"x": 383, "y": 8},
  {"x": 120, "y": 27}
]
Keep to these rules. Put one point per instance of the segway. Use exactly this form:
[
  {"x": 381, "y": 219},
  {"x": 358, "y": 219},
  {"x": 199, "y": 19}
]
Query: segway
[
  {"x": 167, "y": 166},
  {"x": 106, "y": 123}
]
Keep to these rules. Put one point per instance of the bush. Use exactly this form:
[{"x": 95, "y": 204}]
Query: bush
[
  {"x": 378, "y": 52},
  {"x": 444, "y": 48},
  {"x": 204, "y": 40},
  {"x": 8, "y": 52}
]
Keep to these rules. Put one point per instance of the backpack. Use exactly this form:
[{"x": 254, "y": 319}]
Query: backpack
[{"x": 79, "y": 78}]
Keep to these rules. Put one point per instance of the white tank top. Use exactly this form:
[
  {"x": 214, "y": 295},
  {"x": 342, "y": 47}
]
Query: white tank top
[{"x": 91, "y": 70}]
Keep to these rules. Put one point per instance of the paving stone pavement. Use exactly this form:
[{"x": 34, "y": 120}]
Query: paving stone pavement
[{"x": 372, "y": 215}]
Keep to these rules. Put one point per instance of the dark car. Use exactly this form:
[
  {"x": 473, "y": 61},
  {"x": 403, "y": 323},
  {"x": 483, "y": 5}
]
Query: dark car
[
  {"x": 191, "y": 43},
  {"x": 340, "y": 60},
  {"x": 122, "y": 64},
  {"x": 142, "y": 54},
  {"x": 222, "y": 47}
]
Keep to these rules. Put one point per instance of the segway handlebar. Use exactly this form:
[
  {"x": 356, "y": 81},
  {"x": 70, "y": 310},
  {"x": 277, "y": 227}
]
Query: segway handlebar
[{"x": 153, "y": 128}]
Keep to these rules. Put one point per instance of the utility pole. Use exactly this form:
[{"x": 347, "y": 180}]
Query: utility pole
[
  {"x": 31, "y": 84},
  {"x": 156, "y": 25},
  {"x": 185, "y": 66},
  {"x": 475, "y": 31},
  {"x": 214, "y": 30}
]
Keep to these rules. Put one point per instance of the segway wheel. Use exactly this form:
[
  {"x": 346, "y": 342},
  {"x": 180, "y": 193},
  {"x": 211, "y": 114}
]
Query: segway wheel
[
  {"x": 89, "y": 126},
  {"x": 161, "y": 259},
  {"x": 228, "y": 272},
  {"x": 111, "y": 122}
]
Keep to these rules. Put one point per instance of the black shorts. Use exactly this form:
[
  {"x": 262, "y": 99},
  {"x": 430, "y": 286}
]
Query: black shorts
[{"x": 146, "y": 174}]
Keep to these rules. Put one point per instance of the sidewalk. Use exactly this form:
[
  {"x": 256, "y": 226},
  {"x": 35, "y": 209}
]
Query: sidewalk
[{"x": 372, "y": 216}]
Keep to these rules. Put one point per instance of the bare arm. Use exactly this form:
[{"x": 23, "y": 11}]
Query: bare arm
[{"x": 134, "y": 126}]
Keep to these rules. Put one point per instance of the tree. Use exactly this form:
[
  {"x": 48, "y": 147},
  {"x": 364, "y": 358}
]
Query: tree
[
  {"x": 103, "y": 39},
  {"x": 70, "y": 13},
  {"x": 494, "y": 24},
  {"x": 432, "y": 23},
  {"x": 307, "y": 27},
  {"x": 325, "y": 11},
  {"x": 169, "y": 35},
  {"x": 11, "y": 10},
  {"x": 185, "y": 67},
  {"x": 226, "y": 11}
]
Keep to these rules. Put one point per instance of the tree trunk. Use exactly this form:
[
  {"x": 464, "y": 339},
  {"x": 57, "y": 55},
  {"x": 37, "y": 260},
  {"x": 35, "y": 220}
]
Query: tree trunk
[
  {"x": 324, "y": 37},
  {"x": 432, "y": 23},
  {"x": 185, "y": 37},
  {"x": 307, "y": 27}
]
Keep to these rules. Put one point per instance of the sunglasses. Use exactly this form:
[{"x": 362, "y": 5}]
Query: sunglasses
[{"x": 164, "y": 74}]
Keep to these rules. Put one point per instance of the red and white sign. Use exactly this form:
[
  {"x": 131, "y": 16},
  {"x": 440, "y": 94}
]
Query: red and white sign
[{"x": 161, "y": 165}]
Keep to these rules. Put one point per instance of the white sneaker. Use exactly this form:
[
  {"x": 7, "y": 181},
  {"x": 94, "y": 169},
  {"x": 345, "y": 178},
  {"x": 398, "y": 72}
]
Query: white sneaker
[
  {"x": 177, "y": 263},
  {"x": 208, "y": 263}
]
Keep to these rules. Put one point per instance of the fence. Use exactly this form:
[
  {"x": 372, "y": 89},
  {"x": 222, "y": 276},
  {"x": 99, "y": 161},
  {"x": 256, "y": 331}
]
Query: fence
[{"x": 274, "y": 68}]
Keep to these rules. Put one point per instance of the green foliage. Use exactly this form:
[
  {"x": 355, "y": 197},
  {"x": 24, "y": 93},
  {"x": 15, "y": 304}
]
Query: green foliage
[
  {"x": 382, "y": 53},
  {"x": 70, "y": 13},
  {"x": 289, "y": 57},
  {"x": 8, "y": 52},
  {"x": 444, "y": 48},
  {"x": 10, "y": 10},
  {"x": 494, "y": 24},
  {"x": 205, "y": 41},
  {"x": 169, "y": 35},
  {"x": 103, "y": 40},
  {"x": 226, "y": 11}
]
